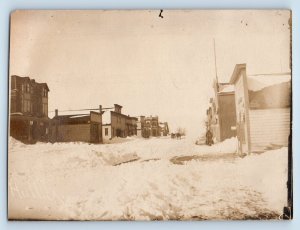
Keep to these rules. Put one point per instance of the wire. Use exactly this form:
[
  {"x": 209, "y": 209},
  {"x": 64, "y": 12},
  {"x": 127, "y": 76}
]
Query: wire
[{"x": 73, "y": 110}]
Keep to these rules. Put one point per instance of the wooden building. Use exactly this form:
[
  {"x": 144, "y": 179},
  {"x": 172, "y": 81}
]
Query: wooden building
[
  {"x": 221, "y": 117},
  {"x": 29, "y": 120},
  {"x": 262, "y": 109},
  {"x": 77, "y": 127},
  {"x": 116, "y": 124}
]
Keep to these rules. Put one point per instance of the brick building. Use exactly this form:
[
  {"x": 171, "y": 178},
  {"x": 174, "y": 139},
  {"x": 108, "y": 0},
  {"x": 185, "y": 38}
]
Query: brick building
[
  {"x": 148, "y": 126},
  {"x": 29, "y": 120}
]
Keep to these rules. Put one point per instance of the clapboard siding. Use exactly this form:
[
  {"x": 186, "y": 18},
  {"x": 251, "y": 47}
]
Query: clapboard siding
[{"x": 269, "y": 127}]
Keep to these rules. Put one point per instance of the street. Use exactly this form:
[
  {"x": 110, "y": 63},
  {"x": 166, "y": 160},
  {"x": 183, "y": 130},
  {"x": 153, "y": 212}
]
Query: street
[{"x": 144, "y": 179}]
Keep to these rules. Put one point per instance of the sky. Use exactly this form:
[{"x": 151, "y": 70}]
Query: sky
[{"x": 148, "y": 64}]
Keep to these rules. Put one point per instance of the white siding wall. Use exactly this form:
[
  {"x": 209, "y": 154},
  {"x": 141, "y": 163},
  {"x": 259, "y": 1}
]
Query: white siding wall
[
  {"x": 106, "y": 137},
  {"x": 241, "y": 104},
  {"x": 269, "y": 126}
]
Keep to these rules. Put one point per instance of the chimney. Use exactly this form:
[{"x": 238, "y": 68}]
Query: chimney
[
  {"x": 100, "y": 108},
  {"x": 118, "y": 108},
  {"x": 56, "y": 112}
]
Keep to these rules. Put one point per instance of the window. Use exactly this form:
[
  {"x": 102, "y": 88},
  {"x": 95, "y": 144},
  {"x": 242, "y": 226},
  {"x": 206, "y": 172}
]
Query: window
[
  {"x": 24, "y": 106},
  {"x": 45, "y": 109},
  {"x": 106, "y": 131},
  {"x": 27, "y": 106},
  {"x": 44, "y": 92},
  {"x": 27, "y": 88}
]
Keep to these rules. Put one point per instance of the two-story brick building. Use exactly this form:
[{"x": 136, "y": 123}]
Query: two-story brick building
[
  {"x": 29, "y": 120},
  {"x": 148, "y": 126}
]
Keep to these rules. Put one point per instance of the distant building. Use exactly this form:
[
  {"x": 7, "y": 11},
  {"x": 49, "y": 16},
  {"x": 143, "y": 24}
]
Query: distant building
[
  {"x": 29, "y": 120},
  {"x": 77, "y": 127},
  {"x": 221, "y": 117},
  {"x": 163, "y": 128},
  {"x": 149, "y": 127},
  {"x": 262, "y": 109},
  {"x": 116, "y": 124},
  {"x": 140, "y": 126}
]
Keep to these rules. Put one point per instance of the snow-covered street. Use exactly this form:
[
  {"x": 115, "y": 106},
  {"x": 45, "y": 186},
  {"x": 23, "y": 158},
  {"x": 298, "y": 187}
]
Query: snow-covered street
[{"x": 144, "y": 179}]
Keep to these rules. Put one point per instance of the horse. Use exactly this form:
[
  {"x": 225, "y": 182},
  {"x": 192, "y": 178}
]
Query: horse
[{"x": 178, "y": 135}]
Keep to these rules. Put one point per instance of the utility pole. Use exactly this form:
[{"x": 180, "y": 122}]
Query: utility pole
[{"x": 216, "y": 70}]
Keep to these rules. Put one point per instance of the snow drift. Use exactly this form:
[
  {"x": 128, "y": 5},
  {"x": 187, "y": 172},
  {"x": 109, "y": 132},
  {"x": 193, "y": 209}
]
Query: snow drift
[{"x": 136, "y": 180}]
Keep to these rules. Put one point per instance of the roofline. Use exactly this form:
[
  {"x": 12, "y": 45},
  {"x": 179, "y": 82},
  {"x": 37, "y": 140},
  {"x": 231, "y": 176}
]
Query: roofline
[
  {"x": 118, "y": 105},
  {"x": 79, "y": 114},
  {"x": 94, "y": 112},
  {"x": 237, "y": 69},
  {"x": 31, "y": 79},
  {"x": 225, "y": 93},
  {"x": 270, "y": 74},
  {"x": 123, "y": 115}
]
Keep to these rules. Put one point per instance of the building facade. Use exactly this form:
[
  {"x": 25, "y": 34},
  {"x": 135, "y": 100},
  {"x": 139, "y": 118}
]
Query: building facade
[
  {"x": 151, "y": 127},
  {"x": 77, "y": 128},
  {"x": 116, "y": 124},
  {"x": 221, "y": 117},
  {"x": 29, "y": 120},
  {"x": 163, "y": 128},
  {"x": 262, "y": 109}
]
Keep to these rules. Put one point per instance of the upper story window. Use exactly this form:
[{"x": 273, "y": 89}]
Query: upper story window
[
  {"x": 27, "y": 88},
  {"x": 45, "y": 109},
  {"x": 27, "y": 106},
  {"x": 44, "y": 92}
]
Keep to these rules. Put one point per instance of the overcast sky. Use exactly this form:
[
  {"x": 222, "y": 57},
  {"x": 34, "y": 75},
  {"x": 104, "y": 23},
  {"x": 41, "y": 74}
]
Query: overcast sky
[{"x": 147, "y": 64}]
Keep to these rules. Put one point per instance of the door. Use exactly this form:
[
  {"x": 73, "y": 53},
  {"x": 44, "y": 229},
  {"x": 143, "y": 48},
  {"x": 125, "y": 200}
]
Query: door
[{"x": 94, "y": 133}]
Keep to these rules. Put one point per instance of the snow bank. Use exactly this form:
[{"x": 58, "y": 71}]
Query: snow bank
[
  {"x": 123, "y": 181},
  {"x": 258, "y": 82},
  {"x": 267, "y": 172}
]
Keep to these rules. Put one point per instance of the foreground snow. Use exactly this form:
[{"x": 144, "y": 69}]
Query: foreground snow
[{"x": 143, "y": 179}]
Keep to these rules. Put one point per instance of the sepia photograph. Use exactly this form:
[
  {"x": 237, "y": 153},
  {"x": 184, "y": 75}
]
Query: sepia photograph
[{"x": 150, "y": 115}]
